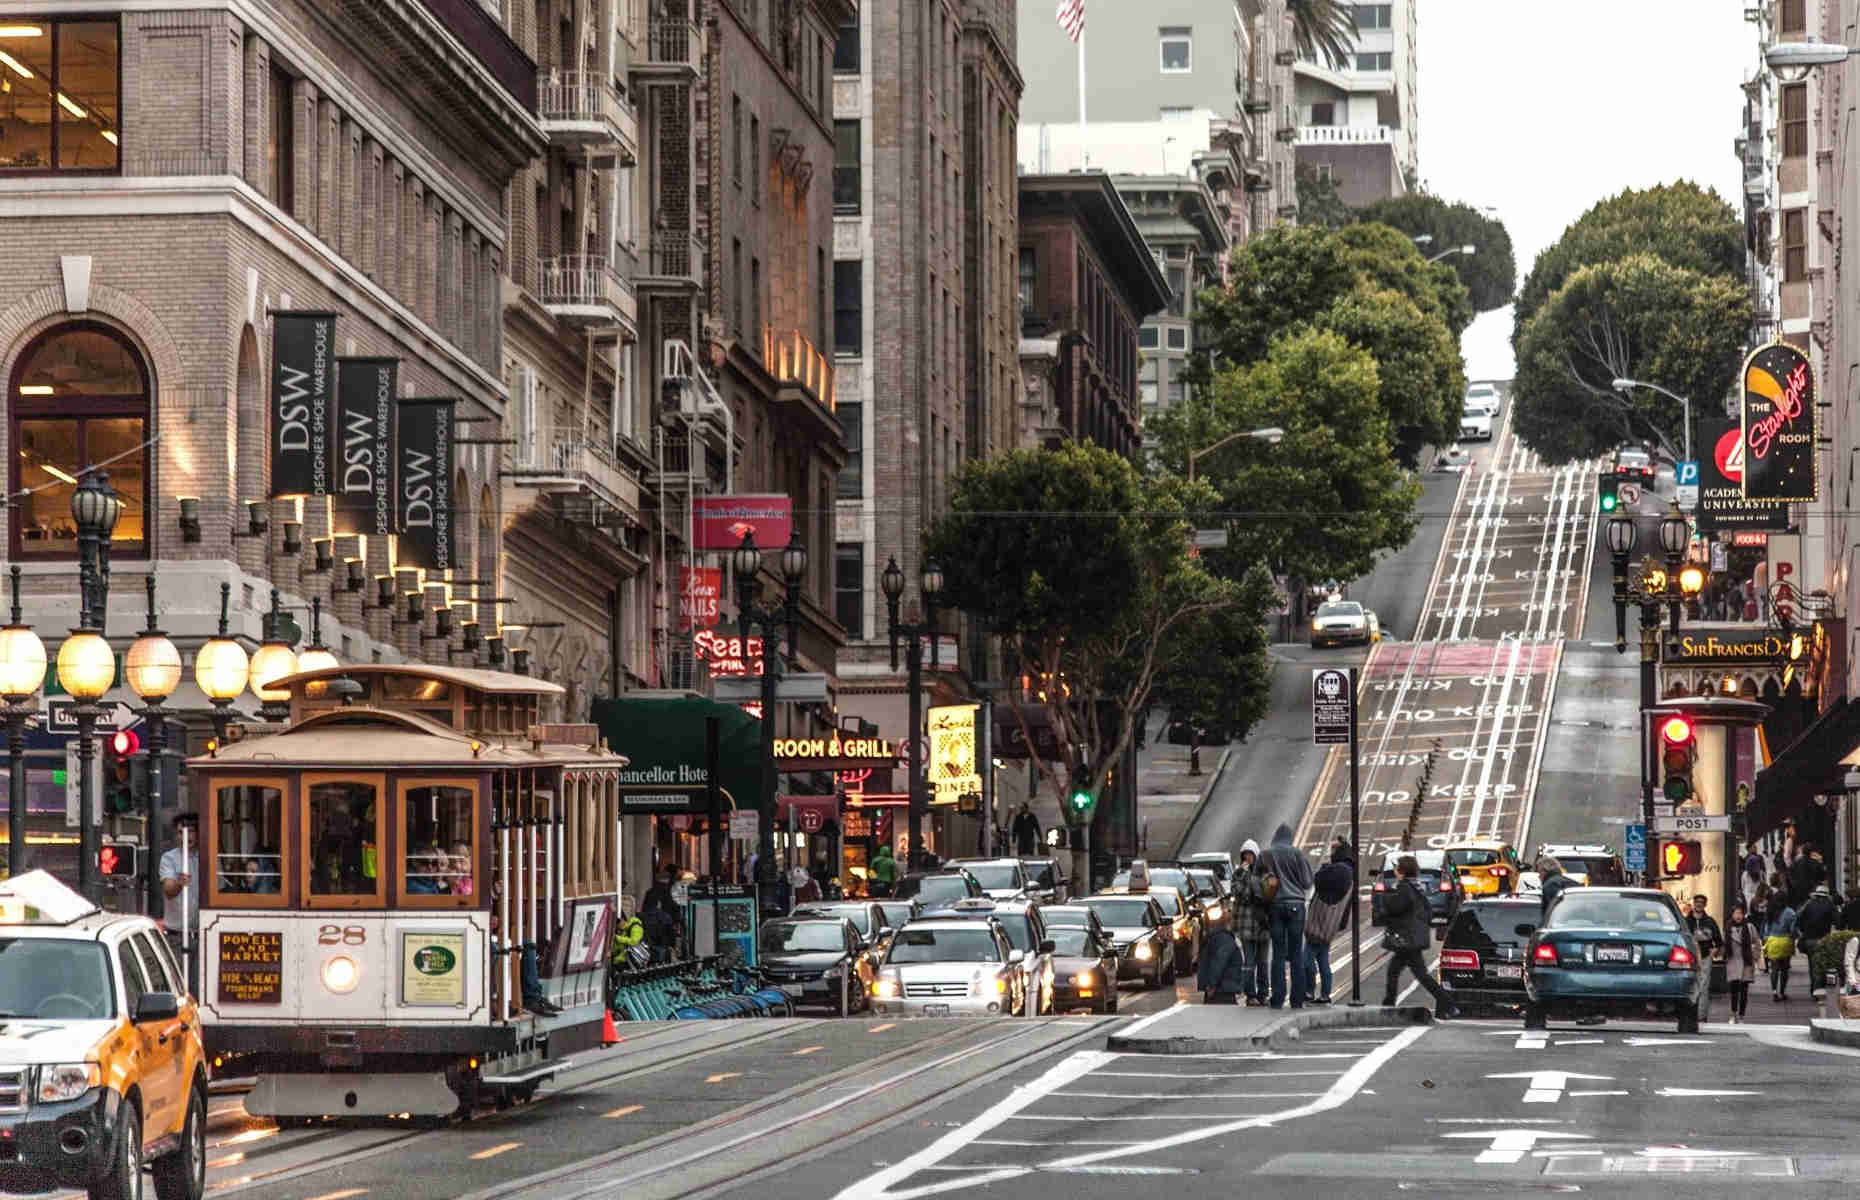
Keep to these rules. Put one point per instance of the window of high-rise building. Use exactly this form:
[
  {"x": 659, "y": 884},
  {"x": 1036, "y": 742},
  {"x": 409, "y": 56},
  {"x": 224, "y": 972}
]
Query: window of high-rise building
[
  {"x": 846, "y": 50},
  {"x": 847, "y": 184},
  {"x": 281, "y": 142},
  {"x": 62, "y": 91},
  {"x": 849, "y": 587},
  {"x": 1146, "y": 337},
  {"x": 1177, "y": 47},
  {"x": 1026, "y": 278},
  {"x": 1379, "y": 61},
  {"x": 1794, "y": 17},
  {"x": 736, "y": 139},
  {"x": 1794, "y": 120},
  {"x": 755, "y": 160},
  {"x": 1324, "y": 112},
  {"x": 852, "y": 432},
  {"x": 1374, "y": 16},
  {"x": 1795, "y": 245},
  {"x": 1178, "y": 290},
  {"x": 1178, "y": 338},
  {"x": 849, "y": 307}
]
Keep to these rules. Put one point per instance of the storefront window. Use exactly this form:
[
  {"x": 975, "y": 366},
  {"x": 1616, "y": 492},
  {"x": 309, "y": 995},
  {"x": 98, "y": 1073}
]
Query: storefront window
[
  {"x": 441, "y": 843},
  {"x": 248, "y": 841},
  {"x": 80, "y": 399},
  {"x": 345, "y": 837},
  {"x": 60, "y": 80}
]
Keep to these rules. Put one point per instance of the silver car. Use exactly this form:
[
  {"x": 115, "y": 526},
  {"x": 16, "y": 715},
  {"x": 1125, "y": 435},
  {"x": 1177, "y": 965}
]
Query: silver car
[
  {"x": 950, "y": 967},
  {"x": 1001, "y": 878}
]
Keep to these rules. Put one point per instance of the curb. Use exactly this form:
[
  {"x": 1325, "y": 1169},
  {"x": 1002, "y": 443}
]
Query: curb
[
  {"x": 1275, "y": 1034},
  {"x": 1207, "y": 791},
  {"x": 1834, "y": 1032}
]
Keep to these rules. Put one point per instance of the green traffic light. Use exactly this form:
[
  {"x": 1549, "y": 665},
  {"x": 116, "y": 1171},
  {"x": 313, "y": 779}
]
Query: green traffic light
[
  {"x": 1678, "y": 788},
  {"x": 1609, "y": 500}
]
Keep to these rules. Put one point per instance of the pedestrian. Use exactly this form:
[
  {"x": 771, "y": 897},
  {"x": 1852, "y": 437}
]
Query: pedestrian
[
  {"x": 1791, "y": 846},
  {"x": 1224, "y": 975},
  {"x": 1850, "y": 911},
  {"x": 1759, "y": 910},
  {"x": 1407, "y": 931},
  {"x": 1740, "y": 942},
  {"x": 663, "y": 919},
  {"x": 802, "y": 888},
  {"x": 1550, "y": 871},
  {"x": 1805, "y": 875},
  {"x": 1705, "y": 930},
  {"x": 1814, "y": 922},
  {"x": 1333, "y": 890},
  {"x": 1026, "y": 830},
  {"x": 181, "y": 893},
  {"x": 1779, "y": 946},
  {"x": 1752, "y": 878},
  {"x": 884, "y": 870},
  {"x": 1287, "y": 891},
  {"x": 1252, "y": 926}
]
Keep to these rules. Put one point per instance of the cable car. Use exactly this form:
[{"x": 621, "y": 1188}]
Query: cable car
[{"x": 382, "y": 871}]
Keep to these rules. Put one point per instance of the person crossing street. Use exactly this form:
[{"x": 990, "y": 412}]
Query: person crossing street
[{"x": 1409, "y": 930}]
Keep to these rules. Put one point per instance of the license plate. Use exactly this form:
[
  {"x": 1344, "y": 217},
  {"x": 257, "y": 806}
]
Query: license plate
[
  {"x": 794, "y": 990},
  {"x": 1614, "y": 954},
  {"x": 1508, "y": 972},
  {"x": 936, "y": 1010}
]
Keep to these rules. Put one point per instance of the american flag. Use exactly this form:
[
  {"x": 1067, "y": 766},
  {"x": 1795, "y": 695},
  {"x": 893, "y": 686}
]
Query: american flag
[{"x": 1071, "y": 17}]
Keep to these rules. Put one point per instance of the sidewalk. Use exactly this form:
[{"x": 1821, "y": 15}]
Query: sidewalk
[
  {"x": 1167, "y": 795},
  {"x": 1195, "y": 1028}
]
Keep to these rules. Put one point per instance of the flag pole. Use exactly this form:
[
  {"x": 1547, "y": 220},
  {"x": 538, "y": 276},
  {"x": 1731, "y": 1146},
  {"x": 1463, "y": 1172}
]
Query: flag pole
[{"x": 1084, "y": 145}]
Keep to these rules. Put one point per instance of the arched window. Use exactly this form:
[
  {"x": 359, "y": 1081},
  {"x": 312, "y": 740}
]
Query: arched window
[{"x": 78, "y": 398}]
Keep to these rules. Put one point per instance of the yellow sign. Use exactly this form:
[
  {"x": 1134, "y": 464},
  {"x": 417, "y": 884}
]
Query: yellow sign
[
  {"x": 432, "y": 969},
  {"x": 952, "y": 752}
]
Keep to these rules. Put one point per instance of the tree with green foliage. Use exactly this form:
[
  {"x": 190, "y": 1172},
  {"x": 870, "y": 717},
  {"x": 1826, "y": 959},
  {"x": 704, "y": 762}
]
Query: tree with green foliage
[
  {"x": 1083, "y": 567},
  {"x": 1490, "y": 273},
  {"x": 1639, "y": 317},
  {"x": 1287, "y": 275},
  {"x": 1422, "y": 376},
  {"x": 1682, "y": 223},
  {"x": 1324, "y": 29},
  {"x": 1389, "y": 258},
  {"x": 1318, "y": 202},
  {"x": 1330, "y": 495},
  {"x": 1217, "y": 674}
]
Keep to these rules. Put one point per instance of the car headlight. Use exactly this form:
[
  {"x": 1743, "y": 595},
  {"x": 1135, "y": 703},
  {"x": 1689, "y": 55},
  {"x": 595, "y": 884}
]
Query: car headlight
[
  {"x": 885, "y": 989},
  {"x": 1144, "y": 951},
  {"x": 830, "y": 972},
  {"x": 1084, "y": 979},
  {"x": 1215, "y": 913},
  {"x": 67, "y": 1081},
  {"x": 340, "y": 974}
]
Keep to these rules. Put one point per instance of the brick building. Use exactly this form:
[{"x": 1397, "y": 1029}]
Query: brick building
[{"x": 1087, "y": 283}]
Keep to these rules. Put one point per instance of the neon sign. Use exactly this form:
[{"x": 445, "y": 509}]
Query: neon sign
[{"x": 726, "y": 655}]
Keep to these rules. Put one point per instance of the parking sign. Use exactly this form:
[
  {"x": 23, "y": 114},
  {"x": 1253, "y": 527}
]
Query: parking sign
[{"x": 1686, "y": 485}]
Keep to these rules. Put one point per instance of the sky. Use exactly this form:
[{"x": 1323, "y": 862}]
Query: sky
[{"x": 1540, "y": 110}]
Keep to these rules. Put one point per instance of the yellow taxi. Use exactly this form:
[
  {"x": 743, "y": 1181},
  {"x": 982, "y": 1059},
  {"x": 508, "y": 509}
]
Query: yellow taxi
[
  {"x": 1486, "y": 866},
  {"x": 102, "y": 1072}
]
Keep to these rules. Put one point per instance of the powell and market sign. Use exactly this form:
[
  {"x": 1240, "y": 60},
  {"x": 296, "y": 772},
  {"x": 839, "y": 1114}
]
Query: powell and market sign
[{"x": 338, "y": 431}]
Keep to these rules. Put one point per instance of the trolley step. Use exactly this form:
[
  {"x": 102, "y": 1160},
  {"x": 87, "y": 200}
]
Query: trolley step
[{"x": 542, "y": 1070}]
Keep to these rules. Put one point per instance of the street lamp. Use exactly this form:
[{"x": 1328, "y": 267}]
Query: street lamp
[
  {"x": 95, "y": 507},
  {"x": 22, "y": 674},
  {"x": 221, "y": 669},
  {"x": 930, "y": 581},
  {"x": 1468, "y": 250},
  {"x": 1624, "y": 386},
  {"x": 86, "y": 669},
  {"x": 273, "y": 661},
  {"x": 746, "y": 565},
  {"x": 153, "y": 668},
  {"x": 1271, "y": 435},
  {"x": 1422, "y": 239},
  {"x": 316, "y": 656},
  {"x": 1801, "y": 56}
]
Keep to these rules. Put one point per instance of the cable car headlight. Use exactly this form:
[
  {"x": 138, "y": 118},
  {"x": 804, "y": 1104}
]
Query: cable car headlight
[{"x": 340, "y": 974}]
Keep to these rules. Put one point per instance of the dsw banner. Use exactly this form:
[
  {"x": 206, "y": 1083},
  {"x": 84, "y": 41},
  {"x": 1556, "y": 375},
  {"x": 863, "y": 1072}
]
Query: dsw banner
[
  {"x": 423, "y": 485},
  {"x": 364, "y": 491},
  {"x": 301, "y": 364}
]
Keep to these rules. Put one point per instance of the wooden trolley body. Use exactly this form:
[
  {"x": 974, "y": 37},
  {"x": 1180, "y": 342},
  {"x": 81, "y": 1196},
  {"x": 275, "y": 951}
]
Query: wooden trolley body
[{"x": 375, "y": 873}]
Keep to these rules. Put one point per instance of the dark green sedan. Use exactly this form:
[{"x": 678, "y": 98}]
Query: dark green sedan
[{"x": 1623, "y": 952}]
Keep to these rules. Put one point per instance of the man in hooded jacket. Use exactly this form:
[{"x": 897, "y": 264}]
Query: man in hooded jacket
[
  {"x": 1288, "y": 865},
  {"x": 1251, "y": 922}
]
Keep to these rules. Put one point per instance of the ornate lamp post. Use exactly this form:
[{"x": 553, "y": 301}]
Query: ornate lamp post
[
  {"x": 22, "y": 674},
  {"x": 95, "y": 507},
  {"x": 930, "y": 580},
  {"x": 221, "y": 669},
  {"x": 86, "y": 669},
  {"x": 273, "y": 661},
  {"x": 746, "y": 564},
  {"x": 153, "y": 667},
  {"x": 316, "y": 656}
]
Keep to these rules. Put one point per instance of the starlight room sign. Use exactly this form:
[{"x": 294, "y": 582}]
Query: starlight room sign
[{"x": 1779, "y": 425}]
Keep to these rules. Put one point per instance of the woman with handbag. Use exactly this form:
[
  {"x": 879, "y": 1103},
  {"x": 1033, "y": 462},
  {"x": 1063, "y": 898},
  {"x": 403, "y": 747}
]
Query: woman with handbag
[
  {"x": 1740, "y": 969},
  {"x": 1331, "y": 891}
]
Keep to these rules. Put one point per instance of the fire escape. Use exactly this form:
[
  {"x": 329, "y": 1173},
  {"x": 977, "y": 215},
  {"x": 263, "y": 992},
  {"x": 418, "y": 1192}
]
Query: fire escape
[{"x": 695, "y": 448}]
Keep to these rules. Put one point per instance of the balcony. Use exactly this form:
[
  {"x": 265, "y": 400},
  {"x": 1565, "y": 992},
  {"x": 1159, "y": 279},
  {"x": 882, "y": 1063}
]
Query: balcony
[
  {"x": 583, "y": 110},
  {"x": 794, "y": 361},
  {"x": 1346, "y": 135},
  {"x": 673, "y": 50},
  {"x": 568, "y": 463},
  {"x": 674, "y": 263},
  {"x": 584, "y": 290}
]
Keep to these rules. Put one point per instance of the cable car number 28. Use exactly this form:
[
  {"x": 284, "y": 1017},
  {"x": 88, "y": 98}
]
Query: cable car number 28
[{"x": 341, "y": 935}]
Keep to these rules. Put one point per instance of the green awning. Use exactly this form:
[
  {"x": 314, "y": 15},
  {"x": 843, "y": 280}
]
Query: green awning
[{"x": 663, "y": 740}]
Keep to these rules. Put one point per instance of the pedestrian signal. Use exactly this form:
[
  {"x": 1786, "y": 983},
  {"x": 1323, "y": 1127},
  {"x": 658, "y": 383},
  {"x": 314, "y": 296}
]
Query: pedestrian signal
[
  {"x": 116, "y": 859},
  {"x": 1681, "y": 858}
]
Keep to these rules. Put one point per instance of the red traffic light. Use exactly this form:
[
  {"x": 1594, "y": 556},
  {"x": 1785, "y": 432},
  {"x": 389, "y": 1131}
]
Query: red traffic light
[
  {"x": 125, "y": 743},
  {"x": 116, "y": 859},
  {"x": 1676, "y": 731}
]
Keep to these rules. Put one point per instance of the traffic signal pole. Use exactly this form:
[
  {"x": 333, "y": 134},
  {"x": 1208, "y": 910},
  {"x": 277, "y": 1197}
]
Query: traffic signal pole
[{"x": 1649, "y": 663}]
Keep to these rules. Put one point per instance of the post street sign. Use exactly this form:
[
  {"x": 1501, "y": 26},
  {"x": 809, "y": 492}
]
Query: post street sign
[
  {"x": 799, "y": 688},
  {"x": 1333, "y": 706},
  {"x": 1720, "y": 823}
]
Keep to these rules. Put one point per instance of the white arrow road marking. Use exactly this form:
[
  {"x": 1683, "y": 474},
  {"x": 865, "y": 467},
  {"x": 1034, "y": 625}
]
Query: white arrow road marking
[
  {"x": 1685, "y": 1091},
  {"x": 1607, "y": 1093},
  {"x": 1547, "y": 1087},
  {"x": 1580, "y": 1041},
  {"x": 1667, "y": 1041},
  {"x": 1511, "y": 1145}
]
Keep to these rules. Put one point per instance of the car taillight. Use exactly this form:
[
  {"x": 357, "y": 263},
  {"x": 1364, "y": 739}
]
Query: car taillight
[
  {"x": 1680, "y": 959},
  {"x": 1459, "y": 960},
  {"x": 1545, "y": 953},
  {"x": 1501, "y": 872},
  {"x": 1446, "y": 885}
]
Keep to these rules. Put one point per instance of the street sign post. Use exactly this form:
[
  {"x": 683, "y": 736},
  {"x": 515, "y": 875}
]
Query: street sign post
[
  {"x": 1333, "y": 723},
  {"x": 1634, "y": 847},
  {"x": 1686, "y": 485},
  {"x": 799, "y": 688},
  {"x": 1693, "y": 823}
]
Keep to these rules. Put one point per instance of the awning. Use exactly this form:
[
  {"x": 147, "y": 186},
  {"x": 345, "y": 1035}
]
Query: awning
[
  {"x": 809, "y": 813},
  {"x": 664, "y": 744},
  {"x": 1814, "y": 764}
]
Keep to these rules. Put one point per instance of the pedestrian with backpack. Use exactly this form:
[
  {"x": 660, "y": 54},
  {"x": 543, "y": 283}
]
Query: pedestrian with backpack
[
  {"x": 1408, "y": 930},
  {"x": 1333, "y": 891}
]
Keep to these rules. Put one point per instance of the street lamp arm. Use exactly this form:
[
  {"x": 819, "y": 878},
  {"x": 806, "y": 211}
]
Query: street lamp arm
[
  {"x": 1271, "y": 434},
  {"x": 1468, "y": 250},
  {"x": 1625, "y": 385}
]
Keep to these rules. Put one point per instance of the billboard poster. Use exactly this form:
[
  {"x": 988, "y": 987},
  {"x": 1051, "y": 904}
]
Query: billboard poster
[
  {"x": 364, "y": 488},
  {"x": 1722, "y": 506},
  {"x": 721, "y": 521},
  {"x": 1780, "y": 424},
  {"x": 301, "y": 363},
  {"x": 423, "y": 485},
  {"x": 700, "y": 597}
]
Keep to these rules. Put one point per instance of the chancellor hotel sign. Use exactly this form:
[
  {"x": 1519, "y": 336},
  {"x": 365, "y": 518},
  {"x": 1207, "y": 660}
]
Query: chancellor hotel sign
[{"x": 1728, "y": 649}]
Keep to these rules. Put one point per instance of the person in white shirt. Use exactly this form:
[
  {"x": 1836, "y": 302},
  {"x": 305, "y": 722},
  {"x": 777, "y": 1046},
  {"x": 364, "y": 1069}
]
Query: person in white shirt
[{"x": 180, "y": 884}]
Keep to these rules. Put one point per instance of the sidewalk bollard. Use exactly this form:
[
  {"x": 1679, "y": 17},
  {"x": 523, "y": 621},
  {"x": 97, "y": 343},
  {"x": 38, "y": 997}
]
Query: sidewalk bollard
[{"x": 1830, "y": 996}]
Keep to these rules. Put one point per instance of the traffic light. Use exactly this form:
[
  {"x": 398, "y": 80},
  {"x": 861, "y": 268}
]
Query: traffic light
[
  {"x": 1079, "y": 804},
  {"x": 119, "y": 791},
  {"x": 1681, "y": 858},
  {"x": 1679, "y": 750},
  {"x": 117, "y": 860},
  {"x": 1609, "y": 490}
]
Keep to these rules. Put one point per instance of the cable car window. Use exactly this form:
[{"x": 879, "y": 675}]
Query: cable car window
[
  {"x": 250, "y": 819},
  {"x": 439, "y": 844},
  {"x": 345, "y": 837}
]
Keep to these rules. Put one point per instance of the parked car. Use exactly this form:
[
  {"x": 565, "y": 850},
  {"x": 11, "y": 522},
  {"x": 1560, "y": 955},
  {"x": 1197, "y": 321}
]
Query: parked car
[
  {"x": 1616, "y": 951},
  {"x": 950, "y": 967},
  {"x": 1442, "y": 884},
  {"x": 1482, "y": 953},
  {"x": 816, "y": 960}
]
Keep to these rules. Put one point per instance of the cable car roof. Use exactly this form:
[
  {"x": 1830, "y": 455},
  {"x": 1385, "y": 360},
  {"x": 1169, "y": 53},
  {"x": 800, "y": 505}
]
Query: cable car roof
[
  {"x": 392, "y": 739},
  {"x": 496, "y": 683}
]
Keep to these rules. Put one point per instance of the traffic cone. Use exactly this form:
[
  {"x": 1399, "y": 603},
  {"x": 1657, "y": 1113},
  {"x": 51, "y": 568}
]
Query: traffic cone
[{"x": 610, "y": 1036}]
